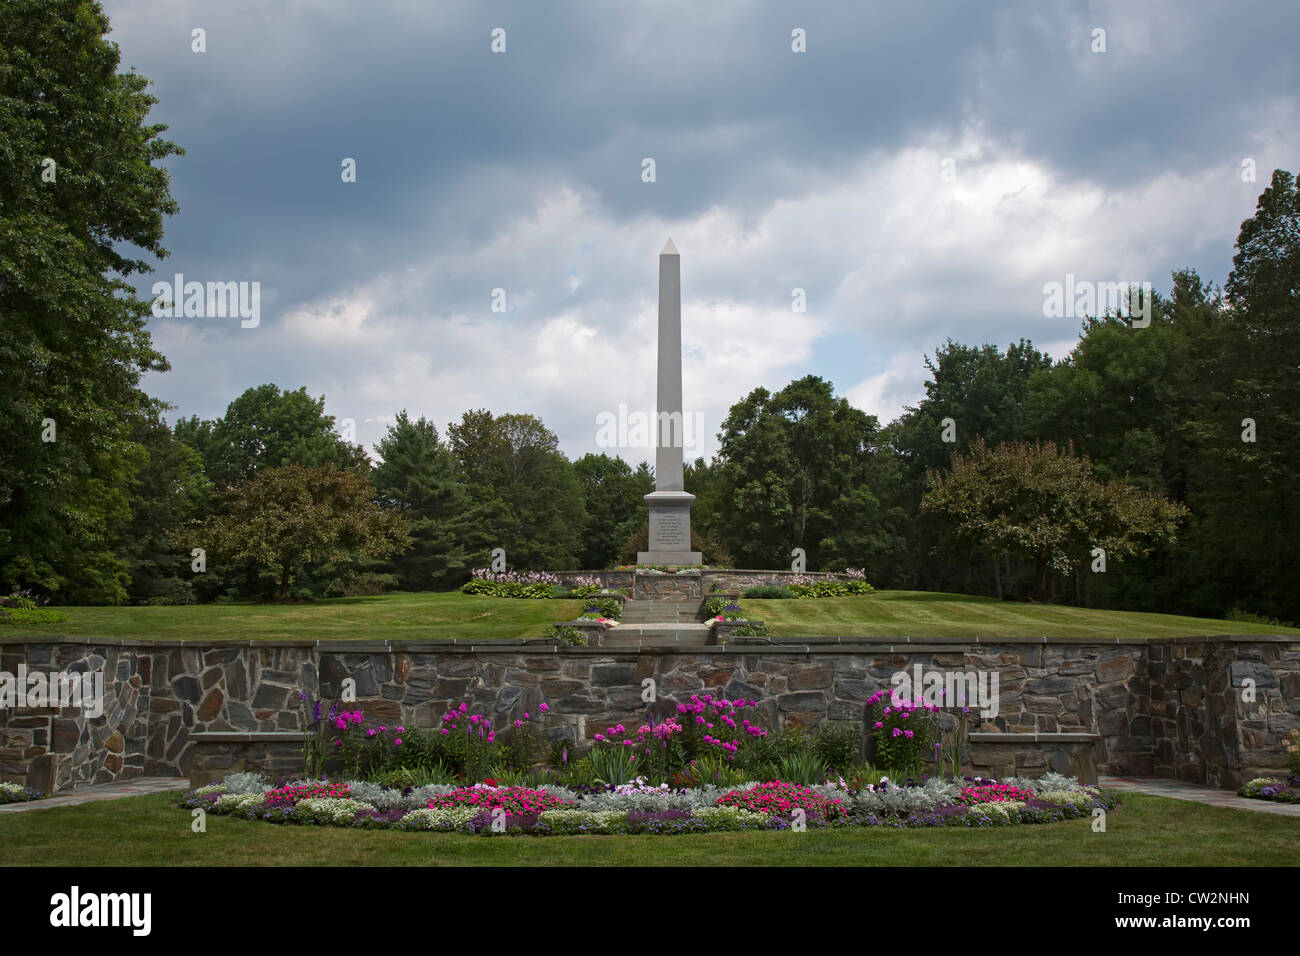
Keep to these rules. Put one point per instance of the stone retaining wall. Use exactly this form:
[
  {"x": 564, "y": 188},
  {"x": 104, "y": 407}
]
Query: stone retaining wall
[{"x": 1171, "y": 708}]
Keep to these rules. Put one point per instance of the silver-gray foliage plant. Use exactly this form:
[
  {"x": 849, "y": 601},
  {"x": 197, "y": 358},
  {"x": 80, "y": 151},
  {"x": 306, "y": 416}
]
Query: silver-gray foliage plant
[{"x": 244, "y": 783}]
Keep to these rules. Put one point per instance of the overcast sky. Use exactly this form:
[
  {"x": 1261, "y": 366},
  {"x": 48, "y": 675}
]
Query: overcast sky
[{"x": 822, "y": 170}]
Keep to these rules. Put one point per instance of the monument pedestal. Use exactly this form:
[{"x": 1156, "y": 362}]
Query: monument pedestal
[{"x": 670, "y": 530}]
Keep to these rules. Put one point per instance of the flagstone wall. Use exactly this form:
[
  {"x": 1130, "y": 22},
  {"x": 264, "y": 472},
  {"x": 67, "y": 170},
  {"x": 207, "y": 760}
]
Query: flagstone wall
[{"x": 1205, "y": 710}]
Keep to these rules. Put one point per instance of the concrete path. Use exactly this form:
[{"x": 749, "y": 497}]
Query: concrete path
[
  {"x": 134, "y": 787},
  {"x": 1197, "y": 793}
]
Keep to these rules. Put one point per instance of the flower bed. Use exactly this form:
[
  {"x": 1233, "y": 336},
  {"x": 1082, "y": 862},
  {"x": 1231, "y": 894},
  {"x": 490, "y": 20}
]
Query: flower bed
[
  {"x": 17, "y": 793},
  {"x": 1269, "y": 788},
  {"x": 635, "y": 808}
]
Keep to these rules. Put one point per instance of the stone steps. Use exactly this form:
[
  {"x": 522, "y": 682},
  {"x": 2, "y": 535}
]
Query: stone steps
[
  {"x": 661, "y": 612},
  {"x": 656, "y": 635}
]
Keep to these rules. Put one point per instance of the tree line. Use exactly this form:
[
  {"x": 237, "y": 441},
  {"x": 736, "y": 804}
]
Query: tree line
[{"x": 1169, "y": 448}]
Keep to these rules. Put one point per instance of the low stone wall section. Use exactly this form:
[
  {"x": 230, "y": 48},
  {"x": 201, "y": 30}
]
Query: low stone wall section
[{"x": 1172, "y": 708}]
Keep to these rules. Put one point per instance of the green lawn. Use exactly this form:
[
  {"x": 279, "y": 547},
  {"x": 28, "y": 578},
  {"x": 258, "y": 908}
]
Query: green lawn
[
  {"x": 427, "y": 616},
  {"x": 926, "y": 614},
  {"x": 152, "y": 831},
  {"x": 393, "y": 617}
]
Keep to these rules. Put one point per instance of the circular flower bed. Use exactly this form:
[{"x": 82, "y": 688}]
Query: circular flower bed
[{"x": 638, "y": 807}]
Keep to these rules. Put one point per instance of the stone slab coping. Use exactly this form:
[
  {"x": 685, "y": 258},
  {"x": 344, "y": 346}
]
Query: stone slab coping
[
  {"x": 1033, "y": 738},
  {"x": 893, "y": 642},
  {"x": 248, "y": 737}
]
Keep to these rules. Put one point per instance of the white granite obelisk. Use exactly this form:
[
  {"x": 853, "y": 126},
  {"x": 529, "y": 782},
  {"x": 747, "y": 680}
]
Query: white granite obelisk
[{"x": 670, "y": 505}]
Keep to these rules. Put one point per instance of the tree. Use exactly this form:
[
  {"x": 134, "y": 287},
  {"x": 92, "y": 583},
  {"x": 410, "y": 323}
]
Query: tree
[
  {"x": 1045, "y": 504},
  {"x": 982, "y": 390},
  {"x": 417, "y": 477},
  {"x": 1243, "y": 426},
  {"x": 299, "y": 515},
  {"x": 795, "y": 470},
  {"x": 267, "y": 428},
  {"x": 526, "y": 498},
  {"x": 169, "y": 493},
  {"x": 78, "y": 183},
  {"x": 613, "y": 497}
]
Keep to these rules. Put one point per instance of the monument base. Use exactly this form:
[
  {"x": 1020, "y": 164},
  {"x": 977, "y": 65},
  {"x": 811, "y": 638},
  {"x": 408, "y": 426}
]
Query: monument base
[
  {"x": 674, "y": 558},
  {"x": 670, "y": 530}
]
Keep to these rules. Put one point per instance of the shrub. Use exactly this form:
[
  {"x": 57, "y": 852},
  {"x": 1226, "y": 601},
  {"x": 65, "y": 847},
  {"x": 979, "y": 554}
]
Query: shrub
[
  {"x": 25, "y": 617},
  {"x": 514, "y": 584},
  {"x": 1291, "y": 745},
  {"x": 805, "y": 586},
  {"x": 565, "y": 634},
  {"x": 767, "y": 592},
  {"x": 610, "y": 608},
  {"x": 838, "y": 745}
]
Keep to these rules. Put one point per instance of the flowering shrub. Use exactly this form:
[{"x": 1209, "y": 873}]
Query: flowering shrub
[
  {"x": 512, "y": 584},
  {"x": 719, "y": 726},
  {"x": 781, "y": 798},
  {"x": 993, "y": 793},
  {"x": 808, "y": 586},
  {"x": 510, "y": 799},
  {"x": 903, "y": 733}
]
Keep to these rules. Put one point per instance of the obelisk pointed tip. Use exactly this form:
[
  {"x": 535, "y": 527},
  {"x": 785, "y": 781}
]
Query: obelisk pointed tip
[{"x": 669, "y": 249}]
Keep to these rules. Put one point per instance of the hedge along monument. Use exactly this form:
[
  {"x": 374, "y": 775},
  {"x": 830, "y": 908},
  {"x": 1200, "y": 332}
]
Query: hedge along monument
[{"x": 670, "y": 505}]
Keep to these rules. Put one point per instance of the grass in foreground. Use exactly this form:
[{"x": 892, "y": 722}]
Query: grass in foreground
[
  {"x": 934, "y": 614},
  {"x": 152, "y": 831}
]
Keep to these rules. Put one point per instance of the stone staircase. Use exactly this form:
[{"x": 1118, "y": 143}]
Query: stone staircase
[{"x": 658, "y": 623}]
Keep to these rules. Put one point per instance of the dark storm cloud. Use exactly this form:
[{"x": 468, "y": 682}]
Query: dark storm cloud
[{"x": 456, "y": 146}]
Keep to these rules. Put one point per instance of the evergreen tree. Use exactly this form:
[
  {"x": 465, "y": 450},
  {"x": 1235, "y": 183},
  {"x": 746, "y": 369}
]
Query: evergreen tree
[{"x": 417, "y": 477}]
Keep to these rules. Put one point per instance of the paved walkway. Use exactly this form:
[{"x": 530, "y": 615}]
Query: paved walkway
[
  {"x": 134, "y": 787},
  {"x": 1197, "y": 793}
]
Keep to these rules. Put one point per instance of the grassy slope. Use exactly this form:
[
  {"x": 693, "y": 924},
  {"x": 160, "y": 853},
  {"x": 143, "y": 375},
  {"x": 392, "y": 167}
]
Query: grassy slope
[
  {"x": 410, "y": 617},
  {"x": 923, "y": 614},
  {"x": 151, "y": 830},
  {"x": 393, "y": 617}
]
